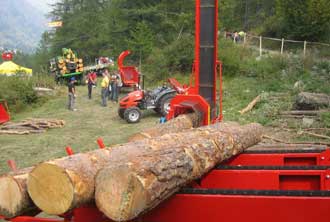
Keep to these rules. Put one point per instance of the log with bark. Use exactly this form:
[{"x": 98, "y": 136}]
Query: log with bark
[
  {"x": 304, "y": 112},
  {"x": 134, "y": 185},
  {"x": 183, "y": 122},
  {"x": 251, "y": 105},
  {"x": 14, "y": 198},
  {"x": 312, "y": 101},
  {"x": 58, "y": 186}
]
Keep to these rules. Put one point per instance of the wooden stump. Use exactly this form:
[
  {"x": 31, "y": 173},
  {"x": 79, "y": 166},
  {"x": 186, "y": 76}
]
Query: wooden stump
[{"x": 14, "y": 198}]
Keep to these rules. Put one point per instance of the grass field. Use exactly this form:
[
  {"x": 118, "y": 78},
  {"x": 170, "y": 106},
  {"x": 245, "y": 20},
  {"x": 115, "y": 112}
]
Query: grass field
[
  {"x": 81, "y": 131},
  {"x": 92, "y": 121}
]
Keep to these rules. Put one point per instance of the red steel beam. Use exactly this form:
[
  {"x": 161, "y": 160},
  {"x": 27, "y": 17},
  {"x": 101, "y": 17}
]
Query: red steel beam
[{"x": 281, "y": 159}]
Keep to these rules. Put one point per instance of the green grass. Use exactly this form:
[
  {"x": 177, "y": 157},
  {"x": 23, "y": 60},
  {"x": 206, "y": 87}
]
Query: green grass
[{"x": 81, "y": 131}]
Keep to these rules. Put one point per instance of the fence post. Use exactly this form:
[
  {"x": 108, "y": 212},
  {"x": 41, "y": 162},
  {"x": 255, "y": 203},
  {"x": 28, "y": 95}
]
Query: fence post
[
  {"x": 305, "y": 48},
  {"x": 260, "y": 46},
  {"x": 282, "y": 46}
]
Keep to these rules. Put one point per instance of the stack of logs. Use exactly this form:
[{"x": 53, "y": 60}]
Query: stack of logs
[
  {"x": 31, "y": 126},
  {"x": 65, "y": 64},
  {"x": 125, "y": 180}
]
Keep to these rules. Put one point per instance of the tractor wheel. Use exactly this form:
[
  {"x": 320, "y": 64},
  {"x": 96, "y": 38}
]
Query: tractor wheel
[
  {"x": 132, "y": 115},
  {"x": 121, "y": 112},
  {"x": 165, "y": 104}
]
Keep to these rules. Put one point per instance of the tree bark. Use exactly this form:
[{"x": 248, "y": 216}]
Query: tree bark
[
  {"x": 183, "y": 122},
  {"x": 14, "y": 198},
  {"x": 312, "y": 101},
  {"x": 135, "y": 184}
]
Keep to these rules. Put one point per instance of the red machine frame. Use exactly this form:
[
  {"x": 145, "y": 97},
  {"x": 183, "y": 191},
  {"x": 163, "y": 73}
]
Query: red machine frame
[
  {"x": 4, "y": 112},
  {"x": 129, "y": 74},
  {"x": 191, "y": 100},
  {"x": 263, "y": 185}
]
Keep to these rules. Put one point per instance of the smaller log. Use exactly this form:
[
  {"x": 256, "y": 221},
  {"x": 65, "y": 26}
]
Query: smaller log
[
  {"x": 14, "y": 198},
  {"x": 251, "y": 105},
  {"x": 312, "y": 101},
  {"x": 305, "y": 112}
]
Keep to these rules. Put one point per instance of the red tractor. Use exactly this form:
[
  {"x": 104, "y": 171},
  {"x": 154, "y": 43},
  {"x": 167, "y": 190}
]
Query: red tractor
[{"x": 158, "y": 99}]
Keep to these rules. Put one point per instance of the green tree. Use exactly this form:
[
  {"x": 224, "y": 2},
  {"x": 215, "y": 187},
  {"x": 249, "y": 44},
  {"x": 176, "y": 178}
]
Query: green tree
[
  {"x": 141, "y": 40},
  {"x": 304, "y": 19}
]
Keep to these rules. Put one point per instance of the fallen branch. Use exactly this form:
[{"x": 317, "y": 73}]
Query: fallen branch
[
  {"x": 317, "y": 135},
  {"x": 251, "y": 105},
  {"x": 317, "y": 129},
  {"x": 304, "y": 113},
  {"x": 299, "y": 117},
  {"x": 293, "y": 143}
]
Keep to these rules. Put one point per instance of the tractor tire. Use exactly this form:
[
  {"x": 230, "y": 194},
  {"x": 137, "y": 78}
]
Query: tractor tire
[
  {"x": 164, "y": 104},
  {"x": 132, "y": 115},
  {"x": 121, "y": 112}
]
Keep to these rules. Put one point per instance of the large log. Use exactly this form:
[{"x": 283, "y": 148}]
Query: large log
[
  {"x": 312, "y": 101},
  {"x": 183, "y": 122},
  {"x": 132, "y": 186},
  {"x": 60, "y": 185},
  {"x": 14, "y": 198}
]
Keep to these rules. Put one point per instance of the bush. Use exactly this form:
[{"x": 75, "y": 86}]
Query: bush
[{"x": 19, "y": 93}]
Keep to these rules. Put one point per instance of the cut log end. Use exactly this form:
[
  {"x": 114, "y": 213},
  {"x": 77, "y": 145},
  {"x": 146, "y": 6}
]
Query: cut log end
[
  {"x": 54, "y": 193},
  {"x": 121, "y": 180},
  {"x": 10, "y": 196}
]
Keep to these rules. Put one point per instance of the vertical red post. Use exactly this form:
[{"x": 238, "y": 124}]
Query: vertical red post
[
  {"x": 197, "y": 44},
  {"x": 100, "y": 143},
  {"x": 12, "y": 165},
  {"x": 69, "y": 151},
  {"x": 215, "y": 57}
]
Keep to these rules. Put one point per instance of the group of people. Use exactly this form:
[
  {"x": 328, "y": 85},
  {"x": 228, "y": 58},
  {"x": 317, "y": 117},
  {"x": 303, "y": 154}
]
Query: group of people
[
  {"x": 110, "y": 87},
  {"x": 236, "y": 36},
  {"x": 110, "y": 84}
]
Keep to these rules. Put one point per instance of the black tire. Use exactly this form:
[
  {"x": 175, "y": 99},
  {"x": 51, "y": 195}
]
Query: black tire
[
  {"x": 132, "y": 115},
  {"x": 165, "y": 103},
  {"x": 121, "y": 112}
]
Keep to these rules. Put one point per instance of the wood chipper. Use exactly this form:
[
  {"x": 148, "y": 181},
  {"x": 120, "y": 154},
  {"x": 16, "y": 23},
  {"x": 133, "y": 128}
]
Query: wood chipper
[
  {"x": 279, "y": 183},
  {"x": 129, "y": 75},
  {"x": 4, "y": 112}
]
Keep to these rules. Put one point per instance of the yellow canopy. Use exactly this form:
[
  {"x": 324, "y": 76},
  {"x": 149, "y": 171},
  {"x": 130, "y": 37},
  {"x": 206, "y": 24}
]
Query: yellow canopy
[{"x": 10, "y": 68}]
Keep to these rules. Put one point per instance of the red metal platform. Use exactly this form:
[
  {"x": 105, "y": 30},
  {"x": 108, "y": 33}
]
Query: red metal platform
[{"x": 254, "y": 186}]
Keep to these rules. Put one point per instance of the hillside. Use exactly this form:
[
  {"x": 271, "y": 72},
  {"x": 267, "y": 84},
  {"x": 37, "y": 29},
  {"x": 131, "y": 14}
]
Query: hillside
[{"x": 21, "y": 25}]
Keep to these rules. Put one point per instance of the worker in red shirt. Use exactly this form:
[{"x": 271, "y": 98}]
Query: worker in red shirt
[{"x": 91, "y": 82}]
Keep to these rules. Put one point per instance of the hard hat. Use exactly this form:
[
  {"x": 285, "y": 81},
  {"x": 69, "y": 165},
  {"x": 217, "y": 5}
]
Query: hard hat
[{"x": 73, "y": 79}]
